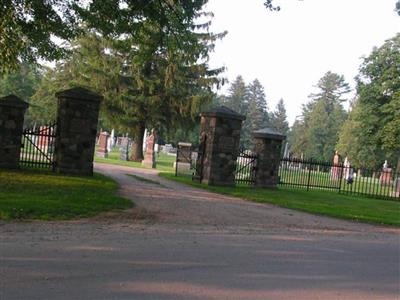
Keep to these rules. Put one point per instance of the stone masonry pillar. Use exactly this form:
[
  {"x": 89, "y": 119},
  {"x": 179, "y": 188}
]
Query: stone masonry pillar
[
  {"x": 267, "y": 146},
  {"x": 219, "y": 138},
  {"x": 77, "y": 117},
  {"x": 12, "y": 110}
]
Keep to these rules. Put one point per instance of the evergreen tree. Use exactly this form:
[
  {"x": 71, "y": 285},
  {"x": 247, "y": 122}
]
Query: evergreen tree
[
  {"x": 322, "y": 119},
  {"x": 237, "y": 98},
  {"x": 279, "y": 118},
  {"x": 22, "y": 83},
  {"x": 257, "y": 106},
  {"x": 145, "y": 83},
  {"x": 27, "y": 27}
]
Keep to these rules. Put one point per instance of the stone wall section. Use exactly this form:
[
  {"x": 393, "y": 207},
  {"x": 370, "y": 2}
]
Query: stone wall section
[
  {"x": 12, "y": 110},
  {"x": 77, "y": 117}
]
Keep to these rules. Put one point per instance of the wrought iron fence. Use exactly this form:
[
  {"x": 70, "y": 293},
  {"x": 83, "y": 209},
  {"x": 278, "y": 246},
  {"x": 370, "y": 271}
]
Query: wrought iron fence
[
  {"x": 311, "y": 174},
  {"x": 37, "y": 147},
  {"x": 245, "y": 167}
]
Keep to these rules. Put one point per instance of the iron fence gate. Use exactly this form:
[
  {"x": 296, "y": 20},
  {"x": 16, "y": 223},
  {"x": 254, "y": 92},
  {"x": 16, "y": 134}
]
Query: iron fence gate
[
  {"x": 37, "y": 147},
  {"x": 246, "y": 167}
]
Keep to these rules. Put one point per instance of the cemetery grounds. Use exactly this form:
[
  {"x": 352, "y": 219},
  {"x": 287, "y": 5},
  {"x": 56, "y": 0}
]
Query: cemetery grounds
[{"x": 35, "y": 195}]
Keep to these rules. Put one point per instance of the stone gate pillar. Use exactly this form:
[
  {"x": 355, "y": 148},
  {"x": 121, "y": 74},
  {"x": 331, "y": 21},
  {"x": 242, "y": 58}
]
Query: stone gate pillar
[
  {"x": 267, "y": 146},
  {"x": 77, "y": 117},
  {"x": 219, "y": 139},
  {"x": 12, "y": 110}
]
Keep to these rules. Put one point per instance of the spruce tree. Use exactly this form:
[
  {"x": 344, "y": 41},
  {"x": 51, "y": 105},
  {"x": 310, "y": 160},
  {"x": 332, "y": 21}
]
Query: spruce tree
[
  {"x": 279, "y": 118},
  {"x": 322, "y": 119}
]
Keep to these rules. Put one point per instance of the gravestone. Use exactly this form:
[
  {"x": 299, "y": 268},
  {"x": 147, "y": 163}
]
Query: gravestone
[
  {"x": 77, "y": 118},
  {"x": 386, "y": 175},
  {"x": 149, "y": 158},
  {"x": 268, "y": 148},
  {"x": 336, "y": 170},
  {"x": 124, "y": 148},
  {"x": 219, "y": 146},
  {"x": 183, "y": 161},
  {"x": 12, "y": 110},
  {"x": 397, "y": 188},
  {"x": 102, "y": 150}
]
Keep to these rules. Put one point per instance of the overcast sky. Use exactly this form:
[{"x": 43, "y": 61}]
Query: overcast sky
[{"x": 290, "y": 50}]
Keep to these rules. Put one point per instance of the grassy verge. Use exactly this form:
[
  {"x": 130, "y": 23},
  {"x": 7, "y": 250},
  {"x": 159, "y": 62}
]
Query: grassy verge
[
  {"x": 164, "y": 162},
  {"x": 46, "y": 196},
  {"x": 317, "y": 202}
]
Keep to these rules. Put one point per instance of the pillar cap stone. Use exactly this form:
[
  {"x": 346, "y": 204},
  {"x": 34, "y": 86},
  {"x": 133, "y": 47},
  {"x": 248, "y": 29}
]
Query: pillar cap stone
[
  {"x": 223, "y": 111},
  {"x": 79, "y": 93},
  {"x": 270, "y": 133},
  {"x": 13, "y": 101}
]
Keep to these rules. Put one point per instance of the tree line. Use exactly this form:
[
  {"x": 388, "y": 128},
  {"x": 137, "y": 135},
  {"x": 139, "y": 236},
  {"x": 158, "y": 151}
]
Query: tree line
[
  {"x": 369, "y": 132},
  {"x": 149, "y": 60}
]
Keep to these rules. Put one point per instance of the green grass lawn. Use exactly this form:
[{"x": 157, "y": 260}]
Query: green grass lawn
[
  {"x": 318, "y": 202},
  {"x": 46, "y": 196},
  {"x": 164, "y": 162}
]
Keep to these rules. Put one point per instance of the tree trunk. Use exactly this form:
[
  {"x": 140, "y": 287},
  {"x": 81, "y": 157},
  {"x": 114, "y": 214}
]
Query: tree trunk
[
  {"x": 137, "y": 145},
  {"x": 398, "y": 166}
]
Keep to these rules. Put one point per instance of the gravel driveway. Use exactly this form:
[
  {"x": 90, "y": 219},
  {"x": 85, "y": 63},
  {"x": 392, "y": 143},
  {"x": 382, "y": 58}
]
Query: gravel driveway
[{"x": 184, "y": 243}]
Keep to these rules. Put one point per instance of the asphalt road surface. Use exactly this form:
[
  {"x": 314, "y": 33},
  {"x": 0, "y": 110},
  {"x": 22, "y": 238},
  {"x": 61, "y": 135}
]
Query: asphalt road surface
[{"x": 184, "y": 243}]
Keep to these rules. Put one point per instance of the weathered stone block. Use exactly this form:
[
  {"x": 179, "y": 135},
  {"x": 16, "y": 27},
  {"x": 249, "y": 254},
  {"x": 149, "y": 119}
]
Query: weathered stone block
[
  {"x": 267, "y": 146},
  {"x": 219, "y": 137},
  {"x": 12, "y": 110},
  {"x": 77, "y": 116}
]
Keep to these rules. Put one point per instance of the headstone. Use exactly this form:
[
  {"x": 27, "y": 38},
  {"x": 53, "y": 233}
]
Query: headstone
[
  {"x": 268, "y": 147},
  {"x": 110, "y": 143},
  {"x": 386, "y": 176},
  {"x": 124, "y": 149},
  {"x": 102, "y": 150},
  {"x": 219, "y": 146},
  {"x": 167, "y": 148},
  {"x": 348, "y": 170},
  {"x": 42, "y": 142},
  {"x": 397, "y": 188},
  {"x": 149, "y": 158},
  {"x": 183, "y": 161},
  {"x": 12, "y": 110},
  {"x": 336, "y": 169},
  {"x": 145, "y": 140}
]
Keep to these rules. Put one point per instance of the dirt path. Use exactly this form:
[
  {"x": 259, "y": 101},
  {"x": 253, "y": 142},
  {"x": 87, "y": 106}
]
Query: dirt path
[
  {"x": 184, "y": 243},
  {"x": 172, "y": 203}
]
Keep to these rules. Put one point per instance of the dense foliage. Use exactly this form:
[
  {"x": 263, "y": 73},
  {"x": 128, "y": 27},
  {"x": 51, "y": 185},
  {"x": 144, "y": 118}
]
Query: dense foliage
[
  {"x": 315, "y": 135},
  {"x": 29, "y": 29},
  {"x": 372, "y": 132}
]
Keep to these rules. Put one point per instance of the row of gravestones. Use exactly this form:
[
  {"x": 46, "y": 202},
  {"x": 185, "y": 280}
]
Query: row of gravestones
[{"x": 77, "y": 118}]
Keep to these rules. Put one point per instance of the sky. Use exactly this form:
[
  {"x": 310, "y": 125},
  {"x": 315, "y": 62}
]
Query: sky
[{"x": 290, "y": 50}]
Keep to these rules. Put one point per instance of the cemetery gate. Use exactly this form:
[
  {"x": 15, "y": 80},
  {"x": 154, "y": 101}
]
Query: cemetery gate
[
  {"x": 37, "y": 147},
  {"x": 245, "y": 172}
]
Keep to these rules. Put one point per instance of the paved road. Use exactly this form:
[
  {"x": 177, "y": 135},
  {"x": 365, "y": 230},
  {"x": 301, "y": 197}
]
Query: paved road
[{"x": 183, "y": 243}]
